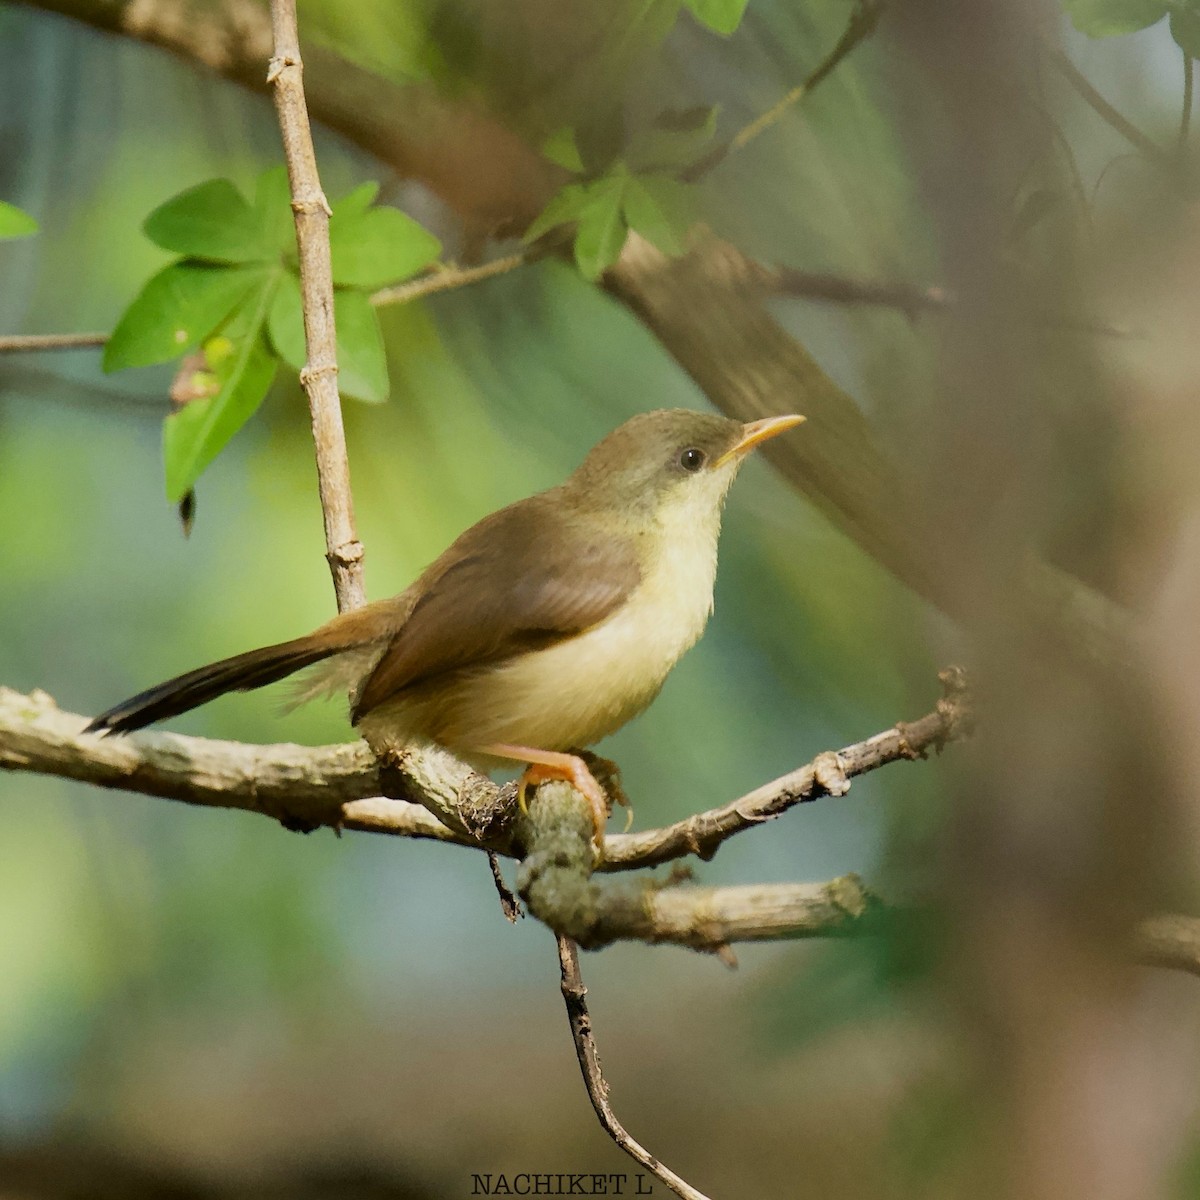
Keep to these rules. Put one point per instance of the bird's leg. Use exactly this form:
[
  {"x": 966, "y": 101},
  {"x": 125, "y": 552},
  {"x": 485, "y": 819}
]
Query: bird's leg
[
  {"x": 544, "y": 765},
  {"x": 608, "y": 774}
]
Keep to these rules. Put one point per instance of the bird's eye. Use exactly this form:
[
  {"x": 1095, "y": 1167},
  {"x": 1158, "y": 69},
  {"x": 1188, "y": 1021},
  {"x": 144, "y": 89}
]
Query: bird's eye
[{"x": 691, "y": 459}]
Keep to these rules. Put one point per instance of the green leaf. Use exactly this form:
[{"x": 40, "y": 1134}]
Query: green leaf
[
  {"x": 378, "y": 246},
  {"x": 661, "y": 210},
  {"x": 1106, "y": 18},
  {"x": 362, "y": 360},
  {"x": 285, "y": 325},
  {"x": 602, "y": 229},
  {"x": 674, "y": 140},
  {"x": 273, "y": 212},
  {"x": 565, "y": 206},
  {"x": 562, "y": 149},
  {"x": 14, "y": 223},
  {"x": 357, "y": 201},
  {"x": 244, "y": 367},
  {"x": 211, "y": 221},
  {"x": 176, "y": 310},
  {"x": 722, "y": 16},
  {"x": 1185, "y": 29}
]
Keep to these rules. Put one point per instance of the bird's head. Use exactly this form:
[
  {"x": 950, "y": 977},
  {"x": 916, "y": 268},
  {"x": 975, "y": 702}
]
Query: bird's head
[{"x": 670, "y": 466}]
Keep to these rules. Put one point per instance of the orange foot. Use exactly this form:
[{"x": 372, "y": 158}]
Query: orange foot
[{"x": 544, "y": 765}]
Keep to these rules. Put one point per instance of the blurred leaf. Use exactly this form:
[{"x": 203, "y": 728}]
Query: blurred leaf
[
  {"x": 1185, "y": 29},
  {"x": 211, "y": 221},
  {"x": 362, "y": 360},
  {"x": 285, "y": 324},
  {"x": 561, "y": 148},
  {"x": 358, "y": 201},
  {"x": 676, "y": 139},
  {"x": 661, "y": 209},
  {"x": 245, "y": 366},
  {"x": 1106, "y": 18},
  {"x": 273, "y": 212},
  {"x": 390, "y": 40},
  {"x": 176, "y": 310},
  {"x": 14, "y": 223},
  {"x": 565, "y": 206},
  {"x": 377, "y": 246},
  {"x": 722, "y": 16},
  {"x": 602, "y": 229}
]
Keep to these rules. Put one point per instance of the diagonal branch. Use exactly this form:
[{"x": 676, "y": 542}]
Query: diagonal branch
[{"x": 828, "y": 774}]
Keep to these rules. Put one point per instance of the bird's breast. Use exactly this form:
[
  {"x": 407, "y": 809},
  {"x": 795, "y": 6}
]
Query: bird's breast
[{"x": 585, "y": 687}]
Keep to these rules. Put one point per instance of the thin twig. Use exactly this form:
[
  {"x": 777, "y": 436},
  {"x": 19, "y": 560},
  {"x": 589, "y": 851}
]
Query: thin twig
[
  {"x": 862, "y": 24},
  {"x": 1149, "y": 149},
  {"x": 21, "y": 343},
  {"x": 828, "y": 774},
  {"x": 319, "y": 377},
  {"x": 837, "y": 289},
  {"x": 444, "y": 279},
  {"x": 909, "y": 299},
  {"x": 575, "y": 998}
]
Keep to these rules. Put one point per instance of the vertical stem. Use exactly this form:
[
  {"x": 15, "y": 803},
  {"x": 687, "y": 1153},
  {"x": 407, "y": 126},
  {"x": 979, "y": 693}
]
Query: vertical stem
[{"x": 319, "y": 377}]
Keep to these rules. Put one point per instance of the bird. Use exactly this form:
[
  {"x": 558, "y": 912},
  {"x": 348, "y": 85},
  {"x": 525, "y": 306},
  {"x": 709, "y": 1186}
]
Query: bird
[{"x": 543, "y": 628}]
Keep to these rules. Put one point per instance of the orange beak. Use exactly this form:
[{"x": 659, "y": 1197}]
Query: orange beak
[{"x": 754, "y": 432}]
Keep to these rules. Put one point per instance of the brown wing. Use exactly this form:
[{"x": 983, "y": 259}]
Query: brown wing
[{"x": 523, "y": 578}]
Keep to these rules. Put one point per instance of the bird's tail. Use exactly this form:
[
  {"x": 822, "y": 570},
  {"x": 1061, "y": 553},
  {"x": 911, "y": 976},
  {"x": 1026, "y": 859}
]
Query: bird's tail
[{"x": 254, "y": 669}]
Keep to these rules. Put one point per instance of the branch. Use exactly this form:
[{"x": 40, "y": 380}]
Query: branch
[
  {"x": 319, "y": 376},
  {"x": 343, "y": 786},
  {"x": 444, "y": 279},
  {"x": 302, "y": 787},
  {"x": 828, "y": 774},
  {"x": 474, "y": 162},
  {"x": 21, "y": 343},
  {"x": 1149, "y": 149},
  {"x": 863, "y": 20},
  {"x": 575, "y": 997}
]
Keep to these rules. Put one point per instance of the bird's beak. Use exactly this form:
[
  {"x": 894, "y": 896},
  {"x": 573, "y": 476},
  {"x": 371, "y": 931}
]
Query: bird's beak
[{"x": 754, "y": 432}]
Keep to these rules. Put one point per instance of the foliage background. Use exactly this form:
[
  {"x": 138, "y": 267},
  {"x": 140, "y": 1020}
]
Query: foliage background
[{"x": 206, "y": 993}]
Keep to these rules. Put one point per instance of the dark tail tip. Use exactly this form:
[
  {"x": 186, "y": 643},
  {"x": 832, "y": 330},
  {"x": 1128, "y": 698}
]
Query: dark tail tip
[{"x": 254, "y": 669}]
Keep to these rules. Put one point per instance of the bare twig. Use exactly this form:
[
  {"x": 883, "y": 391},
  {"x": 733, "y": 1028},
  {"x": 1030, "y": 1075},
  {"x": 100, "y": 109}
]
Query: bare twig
[
  {"x": 575, "y": 997},
  {"x": 510, "y": 906},
  {"x": 910, "y": 299},
  {"x": 444, "y": 279},
  {"x": 319, "y": 377},
  {"x": 837, "y": 289},
  {"x": 1149, "y": 149},
  {"x": 21, "y": 343},
  {"x": 862, "y": 24},
  {"x": 828, "y": 774}
]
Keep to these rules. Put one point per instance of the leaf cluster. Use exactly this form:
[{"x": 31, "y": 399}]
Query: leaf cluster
[
  {"x": 233, "y": 298},
  {"x": 637, "y": 189},
  {"x": 1108, "y": 18}
]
